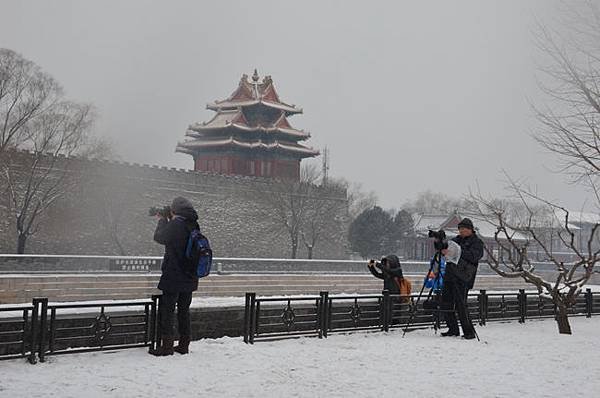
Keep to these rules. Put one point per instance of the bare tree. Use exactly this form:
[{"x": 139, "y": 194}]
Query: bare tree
[
  {"x": 570, "y": 121},
  {"x": 40, "y": 133},
  {"x": 37, "y": 179},
  {"x": 429, "y": 202},
  {"x": 25, "y": 93},
  {"x": 359, "y": 199},
  {"x": 301, "y": 207},
  {"x": 321, "y": 205},
  {"x": 569, "y": 128},
  {"x": 518, "y": 230}
]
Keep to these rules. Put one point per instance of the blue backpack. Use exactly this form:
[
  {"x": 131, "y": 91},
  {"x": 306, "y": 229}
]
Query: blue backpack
[{"x": 198, "y": 255}]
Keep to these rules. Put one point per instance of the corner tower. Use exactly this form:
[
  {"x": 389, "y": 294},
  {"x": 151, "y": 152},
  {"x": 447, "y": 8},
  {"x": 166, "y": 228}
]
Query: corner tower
[{"x": 249, "y": 135}]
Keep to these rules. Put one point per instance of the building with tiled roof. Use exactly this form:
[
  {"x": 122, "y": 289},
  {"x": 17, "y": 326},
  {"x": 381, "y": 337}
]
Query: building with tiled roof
[{"x": 249, "y": 134}]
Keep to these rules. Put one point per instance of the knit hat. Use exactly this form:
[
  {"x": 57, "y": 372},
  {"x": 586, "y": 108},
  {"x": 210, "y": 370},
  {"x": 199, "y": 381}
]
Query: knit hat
[
  {"x": 466, "y": 223},
  {"x": 180, "y": 205}
]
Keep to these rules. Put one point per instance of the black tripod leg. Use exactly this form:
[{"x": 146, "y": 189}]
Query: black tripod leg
[{"x": 414, "y": 307}]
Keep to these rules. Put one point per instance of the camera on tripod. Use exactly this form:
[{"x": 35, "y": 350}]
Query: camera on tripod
[
  {"x": 164, "y": 212},
  {"x": 439, "y": 239}
]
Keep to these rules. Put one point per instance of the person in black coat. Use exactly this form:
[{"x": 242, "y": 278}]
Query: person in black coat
[
  {"x": 460, "y": 278},
  {"x": 176, "y": 283},
  {"x": 390, "y": 270}
]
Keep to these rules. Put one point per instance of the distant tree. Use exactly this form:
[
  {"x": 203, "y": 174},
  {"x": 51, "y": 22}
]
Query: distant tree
[
  {"x": 404, "y": 229},
  {"x": 404, "y": 224},
  {"x": 359, "y": 199},
  {"x": 429, "y": 202},
  {"x": 371, "y": 234}
]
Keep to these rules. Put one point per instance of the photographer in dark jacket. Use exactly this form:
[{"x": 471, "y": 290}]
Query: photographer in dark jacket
[
  {"x": 390, "y": 270},
  {"x": 176, "y": 283},
  {"x": 460, "y": 278}
]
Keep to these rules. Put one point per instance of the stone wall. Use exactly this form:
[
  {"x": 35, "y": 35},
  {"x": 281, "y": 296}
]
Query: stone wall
[{"x": 106, "y": 213}]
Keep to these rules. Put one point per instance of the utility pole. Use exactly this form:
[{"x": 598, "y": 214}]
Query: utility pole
[{"x": 325, "y": 166}]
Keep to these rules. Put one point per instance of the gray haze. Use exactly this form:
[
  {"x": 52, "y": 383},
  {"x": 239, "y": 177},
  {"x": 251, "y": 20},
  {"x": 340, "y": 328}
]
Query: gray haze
[{"x": 408, "y": 96}]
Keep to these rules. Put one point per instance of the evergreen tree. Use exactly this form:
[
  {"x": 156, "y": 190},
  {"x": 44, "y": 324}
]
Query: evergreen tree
[{"x": 372, "y": 234}]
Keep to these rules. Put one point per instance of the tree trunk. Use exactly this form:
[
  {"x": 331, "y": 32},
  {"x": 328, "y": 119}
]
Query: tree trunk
[
  {"x": 22, "y": 238},
  {"x": 310, "y": 252},
  {"x": 562, "y": 319},
  {"x": 294, "y": 250}
]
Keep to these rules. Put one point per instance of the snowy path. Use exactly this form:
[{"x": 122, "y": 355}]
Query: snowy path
[{"x": 512, "y": 360}]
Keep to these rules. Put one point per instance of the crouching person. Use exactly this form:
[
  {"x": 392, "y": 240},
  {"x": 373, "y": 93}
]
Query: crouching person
[
  {"x": 177, "y": 284},
  {"x": 391, "y": 273}
]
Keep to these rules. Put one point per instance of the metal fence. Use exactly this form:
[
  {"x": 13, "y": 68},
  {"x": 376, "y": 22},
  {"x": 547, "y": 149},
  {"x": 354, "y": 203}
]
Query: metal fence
[
  {"x": 41, "y": 328},
  {"x": 270, "y": 318}
]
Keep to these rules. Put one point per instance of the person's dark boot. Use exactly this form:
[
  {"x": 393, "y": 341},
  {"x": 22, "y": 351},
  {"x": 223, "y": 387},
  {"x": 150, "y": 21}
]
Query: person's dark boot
[
  {"x": 469, "y": 336},
  {"x": 183, "y": 347},
  {"x": 165, "y": 349},
  {"x": 450, "y": 333}
]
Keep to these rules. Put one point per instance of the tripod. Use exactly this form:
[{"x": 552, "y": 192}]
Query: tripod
[{"x": 436, "y": 259}]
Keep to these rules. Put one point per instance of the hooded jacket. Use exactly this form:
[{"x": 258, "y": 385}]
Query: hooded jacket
[
  {"x": 174, "y": 236},
  {"x": 389, "y": 274}
]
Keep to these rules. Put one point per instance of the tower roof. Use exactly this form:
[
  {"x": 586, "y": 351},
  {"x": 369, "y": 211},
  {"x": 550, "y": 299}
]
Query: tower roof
[
  {"x": 254, "y": 93},
  {"x": 288, "y": 148},
  {"x": 234, "y": 121}
]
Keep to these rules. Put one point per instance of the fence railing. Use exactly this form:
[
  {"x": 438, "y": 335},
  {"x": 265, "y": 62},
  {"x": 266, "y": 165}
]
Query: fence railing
[
  {"x": 41, "y": 328},
  {"x": 15, "y": 331},
  {"x": 268, "y": 318}
]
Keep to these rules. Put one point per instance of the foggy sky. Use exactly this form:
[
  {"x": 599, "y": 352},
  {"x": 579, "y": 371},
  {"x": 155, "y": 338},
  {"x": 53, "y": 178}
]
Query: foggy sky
[{"x": 408, "y": 96}]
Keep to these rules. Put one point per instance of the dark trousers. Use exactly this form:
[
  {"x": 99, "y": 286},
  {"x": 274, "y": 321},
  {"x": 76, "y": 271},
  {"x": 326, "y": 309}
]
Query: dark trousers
[
  {"x": 454, "y": 293},
  {"x": 167, "y": 312}
]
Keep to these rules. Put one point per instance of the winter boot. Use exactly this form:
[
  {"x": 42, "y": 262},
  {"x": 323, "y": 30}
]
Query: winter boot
[
  {"x": 183, "y": 347},
  {"x": 166, "y": 348},
  {"x": 450, "y": 333}
]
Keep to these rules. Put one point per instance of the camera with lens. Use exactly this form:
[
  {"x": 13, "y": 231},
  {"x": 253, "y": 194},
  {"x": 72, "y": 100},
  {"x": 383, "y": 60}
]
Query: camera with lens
[
  {"x": 379, "y": 264},
  {"x": 164, "y": 212},
  {"x": 439, "y": 239}
]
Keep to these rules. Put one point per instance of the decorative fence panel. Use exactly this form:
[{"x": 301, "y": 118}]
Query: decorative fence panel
[
  {"x": 40, "y": 329},
  {"x": 268, "y": 318},
  {"x": 15, "y": 331}
]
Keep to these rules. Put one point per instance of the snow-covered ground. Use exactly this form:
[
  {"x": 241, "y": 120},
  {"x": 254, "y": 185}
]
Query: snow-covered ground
[{"x": 512, "y": 360}]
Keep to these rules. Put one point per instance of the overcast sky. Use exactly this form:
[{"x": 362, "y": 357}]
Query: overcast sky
[{"x": 407, "y": 95}]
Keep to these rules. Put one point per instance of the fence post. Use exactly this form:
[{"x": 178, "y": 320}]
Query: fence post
[
  {"x": 589, "y": 303},
  {"x": 522, "y": 300},
  {"x": 252, "y": 318},
  {"x": 247, "y": 318},
  {"x": 322, "y": 315},
  {"x": 43, "y": 329},
  {"x": 33, "y": 337},
  {"x": 155, "y": 323},
  {"x": 482, "y": 301},
  {"x": 386, "y": 310}
]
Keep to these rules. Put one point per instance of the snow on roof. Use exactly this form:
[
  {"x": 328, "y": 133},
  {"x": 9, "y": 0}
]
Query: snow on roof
[
  {"x": 425, "y": 222},
  {"x": 579, "y": 217},
  {"x": 234, "y": 119},
  {"x": 250, "y": 144},
  {"x": 254, "y": 92}
]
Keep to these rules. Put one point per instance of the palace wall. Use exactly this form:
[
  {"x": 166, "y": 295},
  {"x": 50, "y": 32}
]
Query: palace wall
[{"x": 107, "y": 213}]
